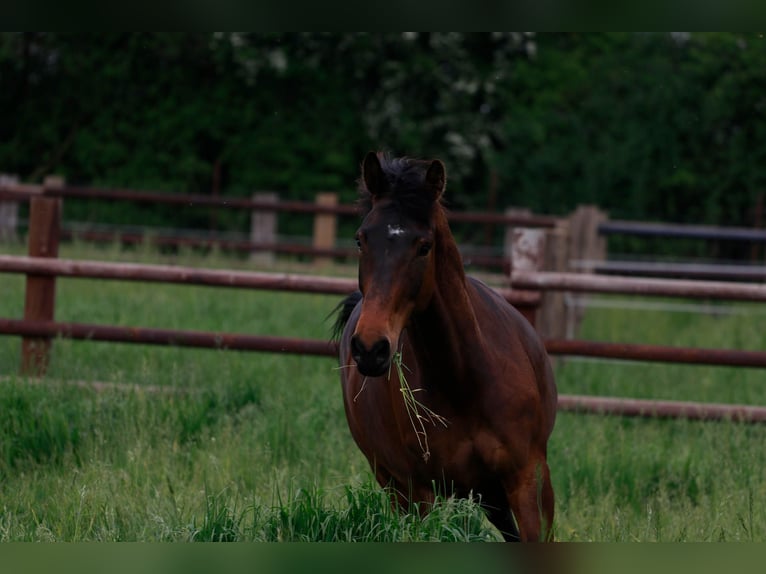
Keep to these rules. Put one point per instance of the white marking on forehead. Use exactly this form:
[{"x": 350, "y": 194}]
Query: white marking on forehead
[{"x": 395, "y": 231}]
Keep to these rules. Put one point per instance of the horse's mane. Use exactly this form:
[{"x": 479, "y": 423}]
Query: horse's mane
[
  {"x": 405, "y": 177},
  {"x": 342, "y": 314}
]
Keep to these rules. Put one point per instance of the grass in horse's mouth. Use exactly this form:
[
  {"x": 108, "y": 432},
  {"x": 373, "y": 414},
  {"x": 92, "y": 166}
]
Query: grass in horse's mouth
[{"x": 413, "y": 407}]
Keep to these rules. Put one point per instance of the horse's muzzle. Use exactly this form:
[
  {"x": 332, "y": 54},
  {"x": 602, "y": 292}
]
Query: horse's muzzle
[{"x": 373, "y": 361}]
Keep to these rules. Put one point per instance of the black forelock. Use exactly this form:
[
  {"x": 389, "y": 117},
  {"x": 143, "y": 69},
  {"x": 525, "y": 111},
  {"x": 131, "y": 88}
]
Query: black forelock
[{"x": 406, "y": 179}]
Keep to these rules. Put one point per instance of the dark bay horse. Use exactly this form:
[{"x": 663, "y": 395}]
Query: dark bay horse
[{"x": 419, "y": 328}]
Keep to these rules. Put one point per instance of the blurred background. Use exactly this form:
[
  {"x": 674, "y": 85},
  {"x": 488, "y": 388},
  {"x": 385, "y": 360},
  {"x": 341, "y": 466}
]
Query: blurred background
[{"x": 648, "y": 126}]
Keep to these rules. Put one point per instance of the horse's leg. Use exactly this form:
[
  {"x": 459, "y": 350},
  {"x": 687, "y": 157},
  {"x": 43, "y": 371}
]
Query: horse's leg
[
  {"x": 405, "y": 498},
  {"x": 502, "y": 519},
  {"x": 396, "y": 497},
  {"x": 494, "y": 500},
  {"x": 532, "y": 502}
]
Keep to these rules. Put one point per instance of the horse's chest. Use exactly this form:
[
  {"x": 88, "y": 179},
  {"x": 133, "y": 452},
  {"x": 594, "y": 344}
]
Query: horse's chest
[
  {"x": 411, "y": 442},
  {"x": 411, "y": 446}
]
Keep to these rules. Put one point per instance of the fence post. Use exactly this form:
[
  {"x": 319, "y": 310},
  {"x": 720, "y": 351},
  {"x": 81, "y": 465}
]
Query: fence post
[
  {"x": 527, "y": 254},
  {"x": 552, "y": 316},
  {"x": 9, "y": 212},
  {"x": 40, "y": 295},
  {"x": 263, "y": 230},
  {"x": 586, "y": 249},
  {"x": 325, "y": 226},
  {"x": 509, "y": 230}
]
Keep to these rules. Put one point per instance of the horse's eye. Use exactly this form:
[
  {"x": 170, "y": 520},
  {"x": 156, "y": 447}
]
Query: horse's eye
[
  {"x": 424, "y": 249},
  {"x": 359, "y": 244}
]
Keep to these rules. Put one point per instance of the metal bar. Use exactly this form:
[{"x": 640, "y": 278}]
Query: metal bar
[
  {"x": 244, "y": 245},
  {"x": 237, "y": 342},
  {"x": 208, "y": 242},
  {"x": 210, "y": 277},
  {"x": 174, "y": 274},
  {"x": 623, "y": 303},
  {"x": 678, "y": 230},
  {"x": 250, "y": 342},
  {"x": 20, "y": 192},
  {"x": 637, "y": 286},
  {"x": 677, "y": 270},
  {"x": 149, "y": 336},
  {"x": 661, "y": 409},
  {"x": 546, "y": 221},
  {"x": 663, "y": 354},
  {"x": 203, "y": 200}
]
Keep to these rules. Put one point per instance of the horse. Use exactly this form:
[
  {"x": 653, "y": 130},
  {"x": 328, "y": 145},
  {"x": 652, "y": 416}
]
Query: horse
[{"x": 447, "y": 388}]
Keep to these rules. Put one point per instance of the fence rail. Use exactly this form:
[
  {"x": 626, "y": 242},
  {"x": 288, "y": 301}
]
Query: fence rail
[
  {"x": 584, "y": 282},
  {"x": 569, "y": 403},
  {"x": 245, "y": 342},
  {"x": 677, "y": 270},
  {"x": 38, "y": 327},
  {"x": 23, "y": 192},
  {"x": 662, "y": 409},
  {"x": 585, "y": 231},
  {"x": 262, "y": 205},
  {"x": 169, "y": 337},
  {"x": 681, "y": 230},
  {"x": 211, "y": 277},
  {"x": 242, "y": 245},
  {"x": 657, "y": 353}
]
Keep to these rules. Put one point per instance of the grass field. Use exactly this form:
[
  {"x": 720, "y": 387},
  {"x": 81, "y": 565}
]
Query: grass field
[{"x": 250, "y": 446}]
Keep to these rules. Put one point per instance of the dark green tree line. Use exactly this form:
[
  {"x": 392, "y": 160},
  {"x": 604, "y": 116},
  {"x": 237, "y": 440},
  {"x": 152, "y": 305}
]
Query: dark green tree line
[{"x": 649, "y": 126}]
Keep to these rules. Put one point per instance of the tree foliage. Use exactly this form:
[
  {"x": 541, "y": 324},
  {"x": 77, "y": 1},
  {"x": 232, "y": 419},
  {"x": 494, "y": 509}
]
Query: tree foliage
[{"x": 649, "y": 126}]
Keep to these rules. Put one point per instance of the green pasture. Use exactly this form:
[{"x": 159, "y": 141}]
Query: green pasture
[{"x": 184, "y": 444}]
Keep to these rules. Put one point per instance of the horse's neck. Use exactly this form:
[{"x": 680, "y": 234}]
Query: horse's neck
[{"x": 446, "y": 333}]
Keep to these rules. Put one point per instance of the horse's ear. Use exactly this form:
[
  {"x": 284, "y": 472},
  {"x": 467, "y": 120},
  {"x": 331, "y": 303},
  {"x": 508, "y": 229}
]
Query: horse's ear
[
  {"x": 372, "y": 174},
  {"x": 436, "y": 179}
]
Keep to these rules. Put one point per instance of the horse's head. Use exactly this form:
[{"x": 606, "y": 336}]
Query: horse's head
[{"x": 396, "y": 263}]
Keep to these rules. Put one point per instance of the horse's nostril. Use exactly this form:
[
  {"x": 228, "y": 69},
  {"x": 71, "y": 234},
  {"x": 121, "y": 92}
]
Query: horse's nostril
[
  {"x": 371, "y": 361},
  {"x": 381, "y": 351},
  {"x": 357, "y": 348}
]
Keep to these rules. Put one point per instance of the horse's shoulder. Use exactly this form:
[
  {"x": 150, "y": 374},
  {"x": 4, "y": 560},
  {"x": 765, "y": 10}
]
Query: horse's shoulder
[
  {"x": 506, "y": 323},
  {"x": 493, "y": 302}
]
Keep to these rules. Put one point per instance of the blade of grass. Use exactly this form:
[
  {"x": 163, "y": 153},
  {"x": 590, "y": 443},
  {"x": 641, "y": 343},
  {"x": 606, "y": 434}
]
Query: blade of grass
[{"x": 413, "y": 407}]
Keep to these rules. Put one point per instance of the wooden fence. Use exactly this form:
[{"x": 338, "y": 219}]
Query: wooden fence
[
  {"x": 558, "y": 244},
  {"x": 263, "y": 239},
  {"x": 586, "y": 229},
  {"x": 42, "y": 267}
]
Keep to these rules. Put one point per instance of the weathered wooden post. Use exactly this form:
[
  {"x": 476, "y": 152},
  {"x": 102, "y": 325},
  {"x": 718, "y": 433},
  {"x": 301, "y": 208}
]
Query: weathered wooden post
[
  {"x": 527, "y": 254},
  {"x": 325, "y": 226},
  {"x": 509, "y": 229},
  {"x": 40, "y": 295},
  {"x": 263, "y": 230},
  {"x": 9, "y": 212},
  {"x": 587, "y": 248}
]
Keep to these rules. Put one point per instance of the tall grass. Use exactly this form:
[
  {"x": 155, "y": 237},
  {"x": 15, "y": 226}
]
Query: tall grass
[
  {"x": 251, "y": 446},
  {"x": 663, "y": 480}
]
